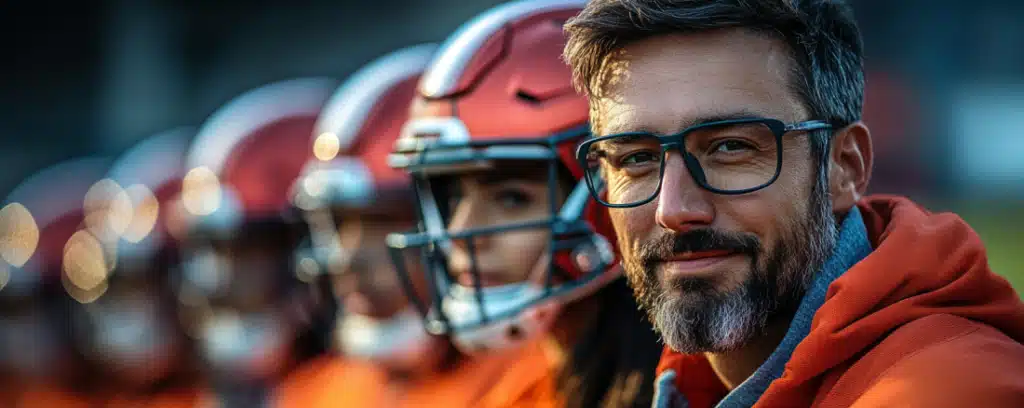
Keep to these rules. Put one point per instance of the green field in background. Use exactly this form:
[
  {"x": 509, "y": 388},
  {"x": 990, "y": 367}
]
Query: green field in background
[{"x": 1000, "y": 228}]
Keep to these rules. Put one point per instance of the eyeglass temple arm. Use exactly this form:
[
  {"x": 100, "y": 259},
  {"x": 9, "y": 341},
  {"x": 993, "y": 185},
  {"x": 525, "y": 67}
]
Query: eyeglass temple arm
[{"x": 808, "y": 125}]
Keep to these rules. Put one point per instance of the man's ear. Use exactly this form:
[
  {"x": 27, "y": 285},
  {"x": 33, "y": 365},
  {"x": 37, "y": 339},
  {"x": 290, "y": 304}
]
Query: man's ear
[{"x": 850, "y": 160}]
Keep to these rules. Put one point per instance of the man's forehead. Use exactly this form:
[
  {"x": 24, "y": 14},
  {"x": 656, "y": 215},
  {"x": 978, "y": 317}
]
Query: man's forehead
[{"x": 666, "y": 83}]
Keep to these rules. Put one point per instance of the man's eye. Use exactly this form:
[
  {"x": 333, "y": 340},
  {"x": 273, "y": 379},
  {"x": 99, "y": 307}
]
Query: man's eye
[
  {"x": 732, "y": 146},
  {"x": 638, "y": 158}
]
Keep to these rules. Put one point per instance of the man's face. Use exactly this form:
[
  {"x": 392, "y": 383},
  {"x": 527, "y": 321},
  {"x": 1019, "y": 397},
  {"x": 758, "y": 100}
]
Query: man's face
[{"x": 713, "y": 270}]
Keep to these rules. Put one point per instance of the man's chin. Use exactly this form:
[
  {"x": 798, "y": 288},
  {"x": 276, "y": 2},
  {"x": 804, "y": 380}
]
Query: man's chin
[{"x": 700, "y": 322}]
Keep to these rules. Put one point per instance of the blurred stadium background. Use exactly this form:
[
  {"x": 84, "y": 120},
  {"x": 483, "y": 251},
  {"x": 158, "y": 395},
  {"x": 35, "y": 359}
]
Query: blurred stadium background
[{"x": 945, "y": 83}]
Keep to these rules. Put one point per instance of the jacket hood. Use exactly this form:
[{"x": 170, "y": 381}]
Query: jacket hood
[{"x": 922, "y": 264}]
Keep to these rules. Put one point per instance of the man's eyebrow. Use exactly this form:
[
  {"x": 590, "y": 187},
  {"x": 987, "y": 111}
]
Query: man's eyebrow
[
  {"x": 737, "y": 114},
  {"x": 631, "y": 137},
  {"x": 699, "y": 120},
  {"x": 603, "y": 147}
]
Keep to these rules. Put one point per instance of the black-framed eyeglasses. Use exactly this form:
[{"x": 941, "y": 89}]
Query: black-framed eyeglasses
[{"x": 736, "y": 156}]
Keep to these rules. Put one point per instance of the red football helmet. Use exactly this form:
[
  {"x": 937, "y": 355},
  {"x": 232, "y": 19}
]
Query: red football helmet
[
  {"x": 131, "y": 329},
  {"x": 499, "y": 91},
  {"x": 38, "y": 221},
  {"x": 238, "y": 271},
  {"x": 348, "y": 176},
  {"x": 42, "y": 244},
  {"x": 150, "y": 175}
]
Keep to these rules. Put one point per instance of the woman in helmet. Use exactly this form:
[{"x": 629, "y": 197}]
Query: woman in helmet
[
  {"x": 351, "y": 199},
  {"x": 517, "y": 253}
]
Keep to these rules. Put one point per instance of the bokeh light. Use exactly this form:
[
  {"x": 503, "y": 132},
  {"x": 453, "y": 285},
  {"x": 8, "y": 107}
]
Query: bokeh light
[
  {"x": 145, "y": 211},
  {"x": 19, "y": 234},
  {"x": 326, "y": 146},
  {"x": 200, "y": 191},
  {"x": 85, "y": 266},
  {"x": 108, "y": 210}
]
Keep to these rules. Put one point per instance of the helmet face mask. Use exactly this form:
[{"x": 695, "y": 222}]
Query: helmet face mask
[
  {"x": 350, "y": 199},
  {"x": 472, "y": 301}
]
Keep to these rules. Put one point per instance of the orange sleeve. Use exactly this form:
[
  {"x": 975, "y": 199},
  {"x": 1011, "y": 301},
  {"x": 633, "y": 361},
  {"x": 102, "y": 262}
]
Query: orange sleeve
[
  {"x": 528, "y": 380},
  {"x": 189, "y": 398},
  {"x": 978, "y": 368},
  {"x": 331, "y": 382}
]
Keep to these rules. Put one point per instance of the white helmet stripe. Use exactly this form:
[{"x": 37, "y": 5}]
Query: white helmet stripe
[
  {"x": 155, "y": 161},
  {"x": 240, "y": 118},
  {"x": 349, "y": 108}
]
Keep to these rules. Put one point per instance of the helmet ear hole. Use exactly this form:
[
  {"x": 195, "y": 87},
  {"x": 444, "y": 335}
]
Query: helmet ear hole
[
  {"x": 514, "y": 332},
  {"x": 527, "y": 97}
]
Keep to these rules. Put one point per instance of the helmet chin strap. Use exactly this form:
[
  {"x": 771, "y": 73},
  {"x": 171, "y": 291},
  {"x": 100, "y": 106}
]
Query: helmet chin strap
[
  {"x": 519, "y": 329},
  {"x": 398, "y": 342}
]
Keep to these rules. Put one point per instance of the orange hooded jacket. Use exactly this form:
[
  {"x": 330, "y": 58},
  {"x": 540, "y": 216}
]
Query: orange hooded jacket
[{"x": 921, "y": 321}]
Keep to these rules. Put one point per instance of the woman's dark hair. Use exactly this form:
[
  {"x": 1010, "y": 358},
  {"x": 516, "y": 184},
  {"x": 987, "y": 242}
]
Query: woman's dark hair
[{"x": 613, "y": 365}]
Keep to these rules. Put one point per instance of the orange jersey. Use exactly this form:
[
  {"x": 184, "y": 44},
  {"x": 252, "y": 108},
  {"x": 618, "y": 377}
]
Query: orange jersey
[
  {"x": 518, "y": 379},
  {"x": 48, "y": 396},
  {"x": 45, "y": 396}
]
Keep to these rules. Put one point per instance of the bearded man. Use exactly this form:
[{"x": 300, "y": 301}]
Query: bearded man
[{"x": 729, "y": 149}]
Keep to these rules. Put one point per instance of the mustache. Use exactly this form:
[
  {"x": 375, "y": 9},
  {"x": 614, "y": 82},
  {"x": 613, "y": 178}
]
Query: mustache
[{"x": 666, "y": 245}]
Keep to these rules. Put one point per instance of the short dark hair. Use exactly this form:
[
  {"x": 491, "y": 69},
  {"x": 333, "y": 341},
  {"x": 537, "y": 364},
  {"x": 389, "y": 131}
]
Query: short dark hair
[{"x": 822, "y": 35}]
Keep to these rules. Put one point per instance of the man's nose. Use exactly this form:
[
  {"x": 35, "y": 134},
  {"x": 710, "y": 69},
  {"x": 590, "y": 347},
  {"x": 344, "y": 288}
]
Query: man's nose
[{"x": 682, "y": 204}]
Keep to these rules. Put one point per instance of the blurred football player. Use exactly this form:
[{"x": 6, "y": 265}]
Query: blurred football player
[
  {"x": 351, "y": 200},
  {"x": 517, "y": 253},
  {"x": 249, "y": 311},
  {"x": 46, "y": 257},
  {"x": 130, "y": 333}
]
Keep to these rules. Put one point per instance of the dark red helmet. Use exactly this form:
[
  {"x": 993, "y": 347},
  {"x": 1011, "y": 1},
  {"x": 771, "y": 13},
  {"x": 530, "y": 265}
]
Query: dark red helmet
[
  {"x": 131, "y": 330},
  {"x": 247, "y": 154},
  {"x": 44, "y": 243},
  {"x": 348, "y": 176},
  {"x": 240, "y": 293},
  {"x": 348, "y": 166},
  {"x": 42, "y": 224},
  {"x": 499, "y": 91},
  {"x": 241, "y": 167},
  {"x": 149, "y": 175}
]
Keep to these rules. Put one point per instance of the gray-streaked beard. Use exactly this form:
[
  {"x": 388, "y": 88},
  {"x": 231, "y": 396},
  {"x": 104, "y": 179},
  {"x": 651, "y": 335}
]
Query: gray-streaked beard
[{"x": 693, "y": 316}]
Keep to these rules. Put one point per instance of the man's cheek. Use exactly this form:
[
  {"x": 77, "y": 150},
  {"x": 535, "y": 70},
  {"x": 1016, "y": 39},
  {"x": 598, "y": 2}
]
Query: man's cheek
[{"x": 630, "y": 224}]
